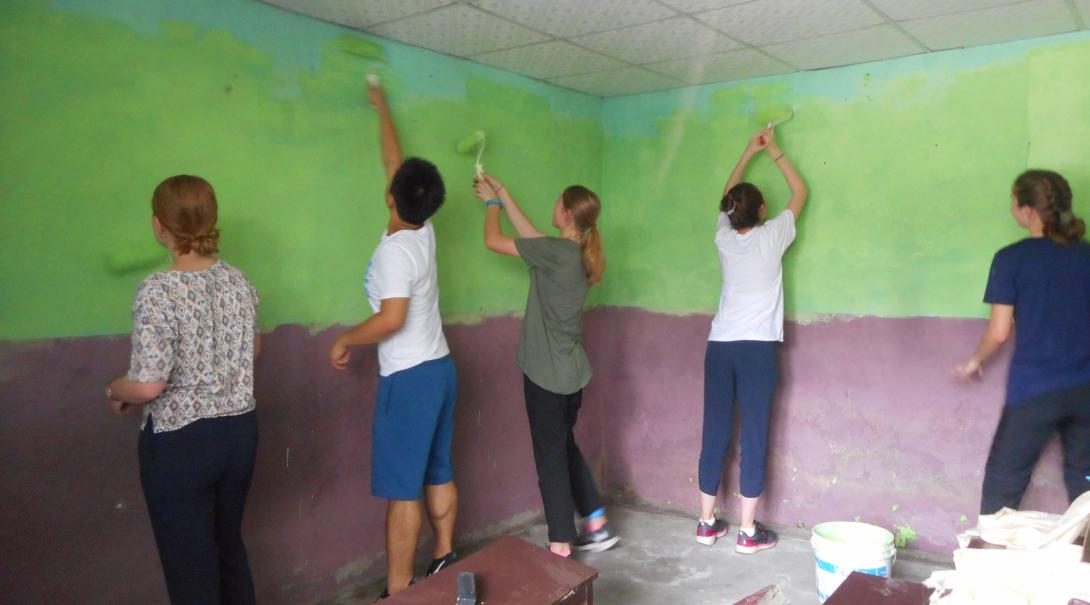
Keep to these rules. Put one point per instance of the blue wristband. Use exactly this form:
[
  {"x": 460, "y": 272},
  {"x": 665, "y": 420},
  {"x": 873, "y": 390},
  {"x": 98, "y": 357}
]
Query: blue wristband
[{"x": 493, "y": 202}]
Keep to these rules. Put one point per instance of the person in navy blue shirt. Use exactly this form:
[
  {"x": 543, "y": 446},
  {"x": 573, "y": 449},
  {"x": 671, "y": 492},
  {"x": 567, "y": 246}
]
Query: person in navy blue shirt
[{"x": 1041, "y": 287}]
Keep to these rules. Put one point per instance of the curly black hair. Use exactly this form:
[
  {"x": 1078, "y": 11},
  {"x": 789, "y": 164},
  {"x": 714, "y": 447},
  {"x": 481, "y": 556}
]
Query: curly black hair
[{"x": 418, "y": 190}]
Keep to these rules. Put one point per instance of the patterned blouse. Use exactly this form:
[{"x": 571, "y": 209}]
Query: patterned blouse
[{"x": 195, "y": 331}]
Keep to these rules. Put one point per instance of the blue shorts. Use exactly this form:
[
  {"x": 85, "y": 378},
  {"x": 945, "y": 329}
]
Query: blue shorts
[{"x": 413, "y": 430}]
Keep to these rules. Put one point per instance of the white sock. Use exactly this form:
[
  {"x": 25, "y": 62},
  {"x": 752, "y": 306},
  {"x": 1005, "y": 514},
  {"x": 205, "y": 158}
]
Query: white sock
[
  {"x": 708, "y": 521},
  {"x": 749, "y": 531}
]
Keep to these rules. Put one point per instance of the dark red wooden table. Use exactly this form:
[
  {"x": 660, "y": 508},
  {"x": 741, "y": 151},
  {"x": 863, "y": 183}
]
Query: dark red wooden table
[
  {"x": 509, "y": 571},
  {"x": 860, "y": 589}
]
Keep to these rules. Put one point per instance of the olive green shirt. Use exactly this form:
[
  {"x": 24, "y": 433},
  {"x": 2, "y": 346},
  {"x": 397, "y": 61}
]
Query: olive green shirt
[{"x": 551, "y": 348}]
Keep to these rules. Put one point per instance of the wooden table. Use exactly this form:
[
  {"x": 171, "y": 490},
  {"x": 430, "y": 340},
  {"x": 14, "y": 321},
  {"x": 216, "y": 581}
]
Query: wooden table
[
  {"x": 859, "y": 589},
  {"x": 509, "y": 571}
]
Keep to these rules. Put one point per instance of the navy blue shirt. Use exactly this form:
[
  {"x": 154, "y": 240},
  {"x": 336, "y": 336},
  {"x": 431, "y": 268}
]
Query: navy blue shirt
[{"x": 1049, "y": 286}]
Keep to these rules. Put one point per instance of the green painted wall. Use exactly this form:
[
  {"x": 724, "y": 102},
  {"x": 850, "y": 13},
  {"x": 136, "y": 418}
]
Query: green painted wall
[
  {"x": 102, "y": 100},
  {"x": 909, "y": 163}
]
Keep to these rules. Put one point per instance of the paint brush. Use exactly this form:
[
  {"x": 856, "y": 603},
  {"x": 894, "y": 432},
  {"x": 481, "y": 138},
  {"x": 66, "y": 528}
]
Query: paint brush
[{"x": 468, "y": 144}]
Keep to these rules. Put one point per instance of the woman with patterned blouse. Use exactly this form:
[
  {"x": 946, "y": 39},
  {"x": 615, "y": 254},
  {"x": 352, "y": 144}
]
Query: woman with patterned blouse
[{"x": 192, "y": 377}]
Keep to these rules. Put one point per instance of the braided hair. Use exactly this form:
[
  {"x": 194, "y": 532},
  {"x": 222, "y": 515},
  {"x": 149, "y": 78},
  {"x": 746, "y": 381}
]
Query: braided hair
[{"x": 1049, "y": 194}]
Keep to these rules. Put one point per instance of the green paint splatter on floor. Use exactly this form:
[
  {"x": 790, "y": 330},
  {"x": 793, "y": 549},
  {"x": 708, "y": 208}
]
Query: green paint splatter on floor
[{"x": 903, "y": 535}]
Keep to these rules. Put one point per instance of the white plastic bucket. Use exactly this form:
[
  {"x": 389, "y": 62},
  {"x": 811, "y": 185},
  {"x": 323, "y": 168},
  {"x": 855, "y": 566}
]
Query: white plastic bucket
[{"x": 841, "y": 547}]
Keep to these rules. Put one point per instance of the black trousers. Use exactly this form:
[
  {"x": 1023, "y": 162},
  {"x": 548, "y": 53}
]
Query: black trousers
[
  {"x": 565, "y": 480},
  {"x": 195, "y": 482},
  {"x": 1023, "y": 432}
]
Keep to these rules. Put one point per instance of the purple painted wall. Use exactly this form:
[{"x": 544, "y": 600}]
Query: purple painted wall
[
  {"x": 73, "y": 528},
  {"x": 868, "y": 421}
]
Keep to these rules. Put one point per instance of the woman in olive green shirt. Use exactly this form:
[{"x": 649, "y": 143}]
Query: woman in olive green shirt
[{"x": 551, "y": 355}]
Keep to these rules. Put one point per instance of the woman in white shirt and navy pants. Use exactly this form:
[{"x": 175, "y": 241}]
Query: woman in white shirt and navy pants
[{"x": 740, "y": 364}]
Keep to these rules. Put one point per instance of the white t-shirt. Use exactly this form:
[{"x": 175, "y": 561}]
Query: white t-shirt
[
  {"x": 403, "y": 266},
  {"x": 751, "y": 305}
]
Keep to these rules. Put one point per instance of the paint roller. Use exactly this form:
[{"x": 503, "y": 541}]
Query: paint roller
[
  {"x": 365, "y": 49},
  {"x": 468, "y": 144},
  {"x": 135, "y": 257},
  {"x": 774, "y": 115}
]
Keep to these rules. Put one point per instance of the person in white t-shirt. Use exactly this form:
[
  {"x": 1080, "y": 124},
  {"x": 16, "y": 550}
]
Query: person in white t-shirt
[
  {"x": 740, "y": 364},
  {"x": 414, "y": 411}
]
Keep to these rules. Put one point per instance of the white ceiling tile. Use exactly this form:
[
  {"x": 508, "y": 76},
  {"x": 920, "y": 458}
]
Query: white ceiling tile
[
  {"x": 1083, "y": 6},
  {"x": 567, "y": 18},
  {"x": 859, "y": 46},
  {"x": 993, "y": 25},
  {"x": 458, "y": 30},
  {"x": 736, "y": 65},
  {"x": 359, "y": 13},
  {"x": 548, "y": 60},
  {"x": 660, "y": 41},
  {"x": 693, "y": 6},
  {"x": 899, "y": 10},
  {"x": 769, "y": 21},
  {"x": 629, "y": 80}
]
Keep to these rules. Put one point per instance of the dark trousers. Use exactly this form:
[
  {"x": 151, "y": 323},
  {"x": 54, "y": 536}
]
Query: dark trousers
[
  {"x": 195, "y": 482},
  {"x": 744, "y": 372},
  {"x": 1022, "y": 434},
  {"x": 562, "y": 474}
]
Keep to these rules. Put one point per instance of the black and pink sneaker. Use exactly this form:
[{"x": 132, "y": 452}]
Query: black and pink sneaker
[
  {"x": 708, "y": 533},
  {"x": 761, "y": 539}
]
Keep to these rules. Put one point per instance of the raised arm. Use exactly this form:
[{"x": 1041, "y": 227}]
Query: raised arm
[
  {"x": 494, "y": 239},
  {"x": 518, "y": 218},
  {"x": 794, "y": 179},
  {"x": 389, "y": 145},
  {"x": 756, "y": 143}
]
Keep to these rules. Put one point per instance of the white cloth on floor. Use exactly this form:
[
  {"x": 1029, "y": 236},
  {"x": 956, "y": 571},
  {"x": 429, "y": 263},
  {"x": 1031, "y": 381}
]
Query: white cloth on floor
[{"x": 1041, "y": 565}]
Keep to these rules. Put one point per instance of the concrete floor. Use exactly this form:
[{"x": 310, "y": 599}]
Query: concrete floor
[{"x": 658, "y": 561}]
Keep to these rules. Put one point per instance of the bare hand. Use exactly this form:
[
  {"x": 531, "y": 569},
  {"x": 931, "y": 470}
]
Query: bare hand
[
  {"x": 495, "y": 183},
  {"x": 120, "y": 408},
  {"x": 376, "y": 95},
  {"x": 484, "y": 189},
  {"x": 760, "y": 140},
  {"x": 340, "y": 355},
  {"x": 968, "y": 370}
]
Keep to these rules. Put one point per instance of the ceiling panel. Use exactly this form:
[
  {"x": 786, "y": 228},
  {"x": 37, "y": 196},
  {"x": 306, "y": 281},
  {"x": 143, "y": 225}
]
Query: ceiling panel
[
  {"x": 859, "y": 46},
  {"x": 694, "y": 6},
  {"x": 735, "y": 65},
  {"x": 359, "y": 13},
  {"x": 549, "y": 60},
  {"x": 675, "y": 38},
  {"x": 625, "y": 81},
  {"x": 597, "y": 45},
  {"x": 899, "y": 10},
  {"x": 770, "y": 21},
  {"x": 458, "y": 30},
  {"x": 993, "y": 25},
  {"x": 1083, "y": 7},
  {"x": 566, "y": 18}
]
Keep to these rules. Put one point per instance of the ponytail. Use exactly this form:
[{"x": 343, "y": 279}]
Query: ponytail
[
  {"x": 585, "y": 207},
  {"x": 594, "y": 256},
  {"x": 743, "y": 205},
  {"x": 1049, "y": 194}
]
